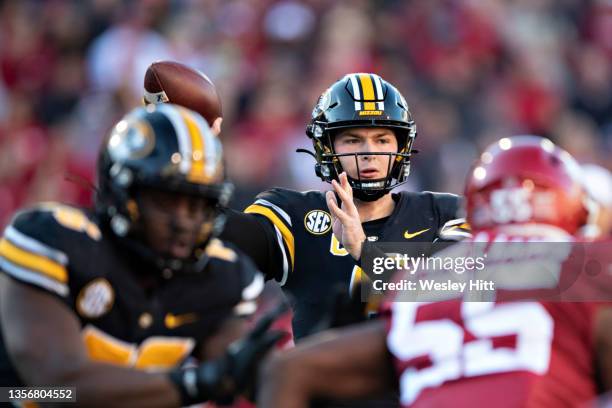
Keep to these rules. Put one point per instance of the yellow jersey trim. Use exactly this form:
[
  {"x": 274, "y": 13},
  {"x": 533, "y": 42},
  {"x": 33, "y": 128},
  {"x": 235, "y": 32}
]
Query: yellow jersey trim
[
  {"x": 33, "y": 262},
  {"x": 285, "y": 232}
]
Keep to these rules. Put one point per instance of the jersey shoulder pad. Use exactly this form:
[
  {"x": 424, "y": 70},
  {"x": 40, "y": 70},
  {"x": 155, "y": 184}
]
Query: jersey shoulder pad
[
  {"x": 36, "y": 246},
  {"x": 287, "y": 203},
  {"x": 280, "y": 207},
  {"x": 249, "y": 280},
  {"x": 252, "y": 285},
  {"x": 449, "y": 207},
  {"x": 454, "y": 225},
  {"x": 275, "y": 203},
  {"x": 285, "y": 210},
  {"x": 224, "y": 254},
  {"x": 221, "y": 250},
  {"x": 435, "y": 199}
]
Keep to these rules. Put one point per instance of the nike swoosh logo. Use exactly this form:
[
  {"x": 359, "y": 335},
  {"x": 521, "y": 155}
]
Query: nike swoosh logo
[
  {"x": 173, "y": 321},
  {"x": 409, "y": 235}
]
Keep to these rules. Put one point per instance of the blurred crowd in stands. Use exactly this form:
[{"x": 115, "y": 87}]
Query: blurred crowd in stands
[{"x": 471, "y": 70}]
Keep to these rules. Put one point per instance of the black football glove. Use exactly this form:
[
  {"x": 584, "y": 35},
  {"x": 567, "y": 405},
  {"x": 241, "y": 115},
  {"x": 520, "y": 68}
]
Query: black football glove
[{"x": 235, "y": 372}]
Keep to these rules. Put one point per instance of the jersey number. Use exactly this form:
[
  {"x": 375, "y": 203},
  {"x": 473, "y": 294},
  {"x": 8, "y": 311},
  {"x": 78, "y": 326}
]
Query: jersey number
[
  {"x": 526, "y": 327},
  {"x": 155, "y": 353},
  {"x": 335, "y": 248},
  {"x": 510, "y": 204}
]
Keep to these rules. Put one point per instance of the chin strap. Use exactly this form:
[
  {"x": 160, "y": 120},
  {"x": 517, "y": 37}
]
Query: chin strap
[
  {"x": 307, "y": 152},
  {"x": 365, "y": 194},
  {"x": 369, "y": 196}
]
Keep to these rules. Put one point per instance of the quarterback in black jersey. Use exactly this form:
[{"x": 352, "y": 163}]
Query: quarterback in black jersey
[
  {"x": 362, "y": 132},
  {"x": 135, "y": 302}
]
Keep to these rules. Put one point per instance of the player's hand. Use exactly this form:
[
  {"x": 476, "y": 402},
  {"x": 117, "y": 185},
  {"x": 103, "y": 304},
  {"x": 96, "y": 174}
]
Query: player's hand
[
  {"x": 216, "y": 126},
  {"x": 346, "y": 223},
  {"x": 248, "y": 352},
  {"x": 234, "y": 373}
]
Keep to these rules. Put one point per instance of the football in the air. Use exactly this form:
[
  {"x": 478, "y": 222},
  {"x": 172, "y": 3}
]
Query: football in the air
[{"x": 173, "y": 82}]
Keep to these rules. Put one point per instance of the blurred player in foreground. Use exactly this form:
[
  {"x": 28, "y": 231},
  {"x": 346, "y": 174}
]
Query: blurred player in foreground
[
  {"x": 598, "y": 183},
  {"x": 468, "y": 354},
  {"x": 114, "y": 301},
  {"x": 173, "y": 82}
]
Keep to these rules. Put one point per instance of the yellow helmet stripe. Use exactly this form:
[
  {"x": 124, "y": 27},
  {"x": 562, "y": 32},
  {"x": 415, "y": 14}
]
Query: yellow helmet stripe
[
  {"x": 196, "y": 172},
  {"x": 213, "y": 152},
  {"x": 182, "y": 135},
  {"x": 368, "y": 91}
]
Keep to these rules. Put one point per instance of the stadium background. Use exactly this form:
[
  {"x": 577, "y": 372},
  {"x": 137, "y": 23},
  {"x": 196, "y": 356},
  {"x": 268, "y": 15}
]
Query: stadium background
[{"x": 472, "y": 71}]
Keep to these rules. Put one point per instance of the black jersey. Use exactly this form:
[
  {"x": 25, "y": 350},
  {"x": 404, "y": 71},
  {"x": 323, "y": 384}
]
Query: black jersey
[
  {"x": 308, "y": 260},
  {"x": 63, "y": 251}
]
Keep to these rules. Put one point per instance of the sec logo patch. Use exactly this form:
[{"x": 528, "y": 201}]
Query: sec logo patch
[
  {"x": 318, "y": 222},
  {"x": 95, "y": 299}
]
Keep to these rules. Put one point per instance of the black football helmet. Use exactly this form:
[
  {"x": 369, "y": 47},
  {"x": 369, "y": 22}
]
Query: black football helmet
[
  {"x": 362, "y": 100},
  {"x": 164, "y": 147}
]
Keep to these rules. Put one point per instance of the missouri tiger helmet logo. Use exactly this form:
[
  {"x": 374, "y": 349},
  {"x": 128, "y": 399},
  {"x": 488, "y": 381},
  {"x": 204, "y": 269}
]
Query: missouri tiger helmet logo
[{"x": 317, "y": 222}]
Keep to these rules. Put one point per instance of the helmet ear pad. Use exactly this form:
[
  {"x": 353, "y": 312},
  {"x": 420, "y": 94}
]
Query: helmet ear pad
[{"x": 327, "y": 167}]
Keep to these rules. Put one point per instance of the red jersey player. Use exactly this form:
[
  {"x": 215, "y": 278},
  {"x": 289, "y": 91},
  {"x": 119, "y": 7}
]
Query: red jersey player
[{"x": 456, "y": 353}]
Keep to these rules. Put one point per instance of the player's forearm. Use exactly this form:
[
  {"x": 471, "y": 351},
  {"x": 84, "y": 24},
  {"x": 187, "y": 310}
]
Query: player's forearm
[
  {"x": 106, "y": 385},
  {"x": 293, "y": 381},
  {"x": 346, "y": 363},
  {"x": 283, "y": 383}
]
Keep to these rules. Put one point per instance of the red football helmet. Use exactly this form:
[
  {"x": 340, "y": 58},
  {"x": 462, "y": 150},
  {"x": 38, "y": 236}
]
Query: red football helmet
[{"x": 526, "y": 179}]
